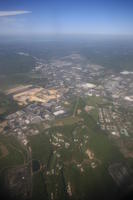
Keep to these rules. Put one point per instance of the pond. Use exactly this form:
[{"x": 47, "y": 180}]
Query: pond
[{"x": 35, "y": 165}]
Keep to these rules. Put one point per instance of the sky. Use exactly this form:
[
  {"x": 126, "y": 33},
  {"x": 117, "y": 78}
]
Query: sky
[{"x": 26, "y": 17}]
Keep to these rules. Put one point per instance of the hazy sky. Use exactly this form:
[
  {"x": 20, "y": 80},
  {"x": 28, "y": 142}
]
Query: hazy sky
[{"x": 66, "y": 16}]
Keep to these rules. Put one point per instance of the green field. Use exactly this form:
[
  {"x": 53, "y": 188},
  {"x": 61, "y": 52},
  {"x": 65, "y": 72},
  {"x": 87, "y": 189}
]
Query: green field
[
  {"x": 83, "y": 184},
  {"x": 39, "y": 187},
  {"x": 40, "y": 147}
]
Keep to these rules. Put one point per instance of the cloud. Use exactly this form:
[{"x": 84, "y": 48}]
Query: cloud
[{"x": 13, "y": 13}]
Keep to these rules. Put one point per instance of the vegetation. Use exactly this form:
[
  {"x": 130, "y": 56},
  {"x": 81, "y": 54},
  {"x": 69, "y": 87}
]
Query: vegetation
[
  {"x": 7, "y": 105},
  {"x": 82, "y": 184},
  {"x": 16, "y": 154},
  {"x": 39, "y": 187},
  {"x": 15, "y": 63},
  {"x": 40, "y": 147}
]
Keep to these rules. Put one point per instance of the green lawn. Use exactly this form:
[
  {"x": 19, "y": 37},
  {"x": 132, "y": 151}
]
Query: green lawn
[
  {"x": 39, "y": 187},
  {"x": 40, "y": 147}
]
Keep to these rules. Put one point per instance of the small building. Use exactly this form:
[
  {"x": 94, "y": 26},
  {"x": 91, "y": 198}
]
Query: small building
[{"x": 60, "y": 112}]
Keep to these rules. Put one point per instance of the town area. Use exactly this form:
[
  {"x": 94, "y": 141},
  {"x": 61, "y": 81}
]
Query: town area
[{"x": 72, "y": 127}]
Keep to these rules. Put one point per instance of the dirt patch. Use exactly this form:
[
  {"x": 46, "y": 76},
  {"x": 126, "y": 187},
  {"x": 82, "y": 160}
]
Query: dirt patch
[
  {"x": 90, "y": 154},
  {"x": 2, "y": 111},
  {"x": 88, "y": 108},
  {"x": 79, "y": 111},
  {"x": 3, "y": 150},
  {"x": 126, "y": 148},
  {"x": 3, "y": 125}
]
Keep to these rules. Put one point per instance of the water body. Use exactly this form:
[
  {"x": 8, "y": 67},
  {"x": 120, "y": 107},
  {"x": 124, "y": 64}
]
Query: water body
[{"x": 35, "y": 165}]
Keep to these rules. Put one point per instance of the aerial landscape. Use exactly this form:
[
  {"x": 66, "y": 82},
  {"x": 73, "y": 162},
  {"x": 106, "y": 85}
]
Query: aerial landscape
[{"x": 66, "y": 115}]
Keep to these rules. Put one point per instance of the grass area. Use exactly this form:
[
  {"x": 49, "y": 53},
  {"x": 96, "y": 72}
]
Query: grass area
[
  {"x": 99, "y": 141},
  {"x": 40, "y": 147},
  {"x": 91, "y": 182},
  {"x": 55, "y": 185},
  {"x": 39, "y": 187},
  {"x": 83, "y": 184},
  {"x": 94, "y": 113},
  {"x": 105, "y": 149},
  {"x": 66, "y": 121},
  {"x": 93, "y": 100}
]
